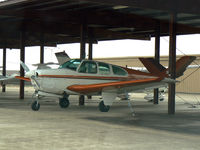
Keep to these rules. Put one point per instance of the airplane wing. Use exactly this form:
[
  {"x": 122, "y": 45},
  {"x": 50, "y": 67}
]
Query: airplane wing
[
  {"x": 23, "y": 78},
  {"x": 91, "y": 88},
  {"x": 5, "y": 78}
]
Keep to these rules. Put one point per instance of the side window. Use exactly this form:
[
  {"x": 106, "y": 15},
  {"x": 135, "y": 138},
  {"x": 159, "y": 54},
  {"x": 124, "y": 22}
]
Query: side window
[
  {"x": 119, "y": 71},
  {"x": 104, "y": 68},
  {"x": 88, "y": 67}
]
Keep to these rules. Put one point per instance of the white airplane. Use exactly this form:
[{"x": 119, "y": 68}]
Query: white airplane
[{"x": 87, "y": 77}]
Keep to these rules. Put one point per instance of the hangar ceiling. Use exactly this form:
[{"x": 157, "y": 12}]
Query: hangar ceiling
[{"x": 59, "y": 21}]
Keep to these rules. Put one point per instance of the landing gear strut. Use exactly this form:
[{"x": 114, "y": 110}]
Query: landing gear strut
[
  {"x": 103, "y": 107},
  {"x": 35, "y": 104}
]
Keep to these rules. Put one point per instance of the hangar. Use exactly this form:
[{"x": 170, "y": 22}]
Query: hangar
[{"x": 50, "y": 22}]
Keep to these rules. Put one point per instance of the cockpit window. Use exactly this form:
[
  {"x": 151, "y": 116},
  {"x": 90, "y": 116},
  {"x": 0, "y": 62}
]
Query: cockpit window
[
  {"x": 103, "y": 68},
  {"x": 71, "y": 64},
  {"x": 88, "y": 67},
  {"x": 119, "y": 71}
]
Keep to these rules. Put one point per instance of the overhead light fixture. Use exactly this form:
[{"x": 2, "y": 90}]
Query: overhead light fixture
[{"x": 120, "y": 7}]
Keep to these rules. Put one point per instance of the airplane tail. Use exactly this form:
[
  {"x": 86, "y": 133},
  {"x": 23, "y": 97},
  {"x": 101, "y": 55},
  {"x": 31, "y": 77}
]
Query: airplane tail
[
  {"x": 182, "y": 64},
  {"x": 62, "y": 57},
  {"x": 157, "y": 69},
  {"x": 153, "y": 66}
]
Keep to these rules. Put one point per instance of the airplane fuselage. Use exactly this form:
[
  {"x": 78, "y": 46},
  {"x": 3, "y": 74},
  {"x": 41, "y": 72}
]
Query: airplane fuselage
[{"x": 58, "y": 80}]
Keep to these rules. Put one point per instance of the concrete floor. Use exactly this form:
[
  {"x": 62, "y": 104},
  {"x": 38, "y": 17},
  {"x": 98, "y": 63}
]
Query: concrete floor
[{"x": 85, "y": 128}]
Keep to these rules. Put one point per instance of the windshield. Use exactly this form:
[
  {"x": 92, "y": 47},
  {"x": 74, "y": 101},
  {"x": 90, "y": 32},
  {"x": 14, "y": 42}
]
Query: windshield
[{"x": 71, "y": 64}]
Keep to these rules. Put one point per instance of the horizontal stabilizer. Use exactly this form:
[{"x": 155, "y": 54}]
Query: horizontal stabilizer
[{"x": 152, "y": 66}]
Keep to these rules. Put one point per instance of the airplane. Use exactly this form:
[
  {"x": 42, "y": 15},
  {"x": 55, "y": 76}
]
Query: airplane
[{"x": 89, "y": 77}]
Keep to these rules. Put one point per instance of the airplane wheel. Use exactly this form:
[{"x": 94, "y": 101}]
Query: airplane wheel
[
  {"x": 103, "y": 108},
  {"x": 162, "y": 99},
  {"x": 63, "y": 102},
  {"x": 35, "y": 106}
]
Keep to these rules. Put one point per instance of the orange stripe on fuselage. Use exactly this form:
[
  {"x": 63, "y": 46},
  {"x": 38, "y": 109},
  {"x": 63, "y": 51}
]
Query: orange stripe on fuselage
[{"x": 87, "y": 77}]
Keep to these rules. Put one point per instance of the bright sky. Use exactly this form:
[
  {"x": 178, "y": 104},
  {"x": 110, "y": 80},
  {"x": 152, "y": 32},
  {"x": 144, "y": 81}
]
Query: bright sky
[{"x": 185, "y": 44}]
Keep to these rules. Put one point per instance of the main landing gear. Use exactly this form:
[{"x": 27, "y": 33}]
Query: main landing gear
[
  {"x": 103, "y": 107},
  {"x": 64, "y": 102}
]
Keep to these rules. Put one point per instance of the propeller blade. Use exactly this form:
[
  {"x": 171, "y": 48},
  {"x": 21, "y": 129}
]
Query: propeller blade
[{"x": 24, "y": 66}]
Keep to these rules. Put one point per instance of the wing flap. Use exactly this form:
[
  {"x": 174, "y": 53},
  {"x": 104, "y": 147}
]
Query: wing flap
[{"x": 110, "y": 85}]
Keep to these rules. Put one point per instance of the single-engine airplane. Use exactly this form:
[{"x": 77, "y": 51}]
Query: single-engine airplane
[{"x": 88, "y": 77}]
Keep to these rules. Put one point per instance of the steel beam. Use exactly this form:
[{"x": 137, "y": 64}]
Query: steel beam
[
  {"x": 157, "y": 57},
  {"x": 82, "y": 41},
  {"x": 4, "y": 68},
  {"x": 90, "y": 50},
  {"x": 172, "y": 63},
  {"x": 22, "y": 58},
  {"x": 82, "y": 55},
  {"x": 42, "y": 49}
]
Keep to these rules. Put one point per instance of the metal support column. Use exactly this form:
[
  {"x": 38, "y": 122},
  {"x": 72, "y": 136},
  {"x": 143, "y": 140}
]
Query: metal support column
[
  {"x": 157, "y": 58},
  {"x": 22, "y": 58},
  {"x": 42, "y": 49},
  {"x": 90, "y": 51},
  {"x": 83, "y": 41},
  {"x": 82, "y": 55},
  {"x": 4, "y": 68},
  {"x": 172, "y": 63}
]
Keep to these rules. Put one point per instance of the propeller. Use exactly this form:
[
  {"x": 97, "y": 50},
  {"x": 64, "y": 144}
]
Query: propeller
[
  {"x": 24, "y": 66},
  {"x": 30, "y": 74}
]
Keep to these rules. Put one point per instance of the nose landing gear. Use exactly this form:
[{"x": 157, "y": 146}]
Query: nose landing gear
[
  {"x": 35, "y": 106},
  {"x": 64, "y": 102}
]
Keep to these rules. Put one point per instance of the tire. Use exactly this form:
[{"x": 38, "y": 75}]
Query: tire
[
  {"x": 35, "y": 106},
  {"x": 64, "y": 102},
  {"x": 103, "y": 108}
]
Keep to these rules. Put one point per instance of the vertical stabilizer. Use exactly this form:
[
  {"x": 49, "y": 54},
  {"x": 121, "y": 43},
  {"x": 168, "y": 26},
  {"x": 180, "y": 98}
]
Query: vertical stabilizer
[{"x": 62, "y": 57}]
